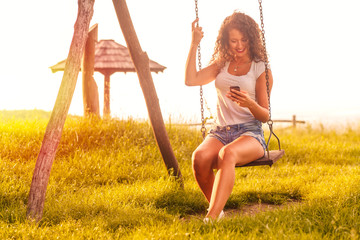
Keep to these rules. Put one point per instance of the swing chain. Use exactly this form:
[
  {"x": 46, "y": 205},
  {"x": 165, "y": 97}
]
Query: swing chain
[
  {"x": 203, "y": 128},
  {"x": 266, "y": 60}
]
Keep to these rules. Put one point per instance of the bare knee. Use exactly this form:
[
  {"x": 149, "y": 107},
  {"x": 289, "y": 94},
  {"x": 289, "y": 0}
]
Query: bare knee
[
  {"x": 201, "y": 162},
  {"x": 228, "y": 157}
]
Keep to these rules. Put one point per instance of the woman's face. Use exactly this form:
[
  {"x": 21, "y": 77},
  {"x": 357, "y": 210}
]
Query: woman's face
[{"x": 238, "y": 43}]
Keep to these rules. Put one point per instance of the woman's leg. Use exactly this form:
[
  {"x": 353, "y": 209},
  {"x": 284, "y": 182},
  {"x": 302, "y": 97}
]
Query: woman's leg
[
  {"x": 243, "y": 150},
  {"x": 204, "y": 160}
]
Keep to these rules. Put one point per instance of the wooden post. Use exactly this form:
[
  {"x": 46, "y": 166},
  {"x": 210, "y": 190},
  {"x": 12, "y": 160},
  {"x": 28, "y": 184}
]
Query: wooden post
[
  {"x": 106, "y": 110},
  {"x": 90, "y": 89},
  {"x": 141, "y": 62},
  {"x": 58, "y": 116},
  {"x": 294, "y": 120}
]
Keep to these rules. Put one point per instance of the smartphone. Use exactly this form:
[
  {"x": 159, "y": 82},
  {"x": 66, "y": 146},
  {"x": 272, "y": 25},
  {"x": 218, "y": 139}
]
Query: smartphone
[{"x": 235, "y": 88}]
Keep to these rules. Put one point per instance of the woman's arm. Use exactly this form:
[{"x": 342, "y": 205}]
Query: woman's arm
[
  {"x": 192, "y": 76},
  {"x": 259, "y": 108}
]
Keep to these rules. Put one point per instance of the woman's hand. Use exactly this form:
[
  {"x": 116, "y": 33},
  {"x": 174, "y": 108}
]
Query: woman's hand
[
  {"x": 194, "y": 77},
  {"x": 241, "y": 98},
  {"x": 197, "y": 33}
]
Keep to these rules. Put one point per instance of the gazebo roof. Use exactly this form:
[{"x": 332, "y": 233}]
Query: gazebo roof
[{"x": 111, "y": 57}]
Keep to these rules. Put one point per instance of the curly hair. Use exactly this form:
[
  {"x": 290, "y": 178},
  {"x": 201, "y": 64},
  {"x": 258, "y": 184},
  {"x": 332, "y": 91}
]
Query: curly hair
[{"x": 249, "y": 28}]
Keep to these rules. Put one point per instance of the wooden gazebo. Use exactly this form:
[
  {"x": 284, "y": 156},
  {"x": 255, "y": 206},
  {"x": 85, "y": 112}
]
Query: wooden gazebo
[{"x": 111, "y": 57}]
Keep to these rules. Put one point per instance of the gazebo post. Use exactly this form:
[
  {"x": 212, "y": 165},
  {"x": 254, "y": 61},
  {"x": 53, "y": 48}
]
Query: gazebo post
[
  {"x": 106, "y": 110},
  {"x": 141, "y": 62},
  {"x": 58, "y": 116},
  {"x": 90, "y": 89}
]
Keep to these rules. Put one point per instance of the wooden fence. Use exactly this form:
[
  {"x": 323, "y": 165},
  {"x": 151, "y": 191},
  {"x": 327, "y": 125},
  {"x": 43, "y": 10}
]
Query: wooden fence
[{"x": 294, "y": 121}]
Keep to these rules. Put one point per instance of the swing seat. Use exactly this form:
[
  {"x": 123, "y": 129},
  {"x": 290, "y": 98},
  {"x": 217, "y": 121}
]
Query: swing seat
[{"x": 266, "y": 160}]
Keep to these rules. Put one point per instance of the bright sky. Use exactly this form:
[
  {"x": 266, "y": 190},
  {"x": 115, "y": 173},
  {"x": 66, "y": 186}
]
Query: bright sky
[{"x": 314, "y": 49}]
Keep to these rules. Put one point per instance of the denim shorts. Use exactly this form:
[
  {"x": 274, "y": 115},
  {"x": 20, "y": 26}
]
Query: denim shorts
[{"x": 227, "y": 134}]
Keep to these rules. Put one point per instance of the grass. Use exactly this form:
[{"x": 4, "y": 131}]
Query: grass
[{"x": 108, "y": 181}]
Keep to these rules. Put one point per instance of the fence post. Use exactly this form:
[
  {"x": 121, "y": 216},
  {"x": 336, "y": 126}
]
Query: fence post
[{"x": 294, "y": 120}]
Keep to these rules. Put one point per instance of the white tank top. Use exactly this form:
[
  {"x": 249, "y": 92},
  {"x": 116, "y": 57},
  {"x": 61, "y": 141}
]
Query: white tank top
[{"x": 228, "y": 112}]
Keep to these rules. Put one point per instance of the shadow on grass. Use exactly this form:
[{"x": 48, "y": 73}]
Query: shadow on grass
[
  {"x": 275, "y": 198},
  {"x": 193, "y": 203},
  {"x": 13, "y": 207},
  {"x": 182, "y": 202},
  {"x": 106, "y": 217}
]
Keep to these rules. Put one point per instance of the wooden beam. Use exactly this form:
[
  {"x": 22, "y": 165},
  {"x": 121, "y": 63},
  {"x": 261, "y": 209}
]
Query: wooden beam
[
  {"x": 141, "y": 62},
  {"x": 106, "y": 109},
  {"x": 58, "y": 116},
  {"x": 90, "y": 89}
]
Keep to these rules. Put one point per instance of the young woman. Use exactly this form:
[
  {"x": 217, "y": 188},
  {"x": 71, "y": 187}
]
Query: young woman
[{"x": 237, "y": 138}]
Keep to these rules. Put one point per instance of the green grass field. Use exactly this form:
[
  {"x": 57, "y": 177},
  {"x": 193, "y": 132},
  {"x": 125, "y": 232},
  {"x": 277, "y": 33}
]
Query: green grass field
[{"x": 108, "y": 181}]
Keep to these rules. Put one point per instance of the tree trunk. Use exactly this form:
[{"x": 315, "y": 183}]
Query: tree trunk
[
  {"x": 141, "y": 62},
  {"x": 58, "y": 116},
  {"x": 90, "y": 89}
]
